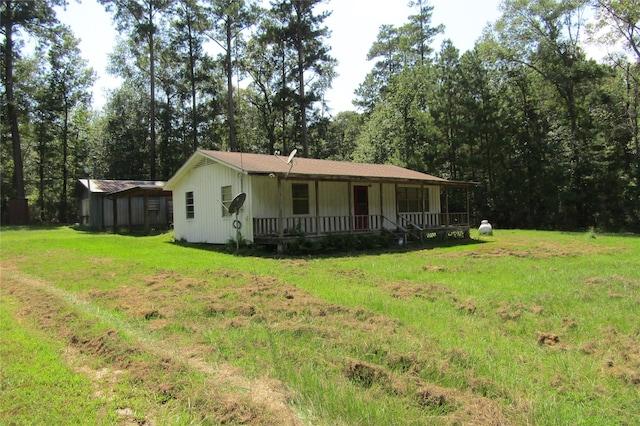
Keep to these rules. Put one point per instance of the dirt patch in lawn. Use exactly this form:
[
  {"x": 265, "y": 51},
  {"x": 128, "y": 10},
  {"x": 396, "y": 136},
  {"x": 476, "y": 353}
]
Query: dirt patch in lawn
[
  {"x": 286, "y": 307},
  {"x": 620, "y": 354},
  {"x": 409, "y": 289},
  {"x": 453, "y": 405},
  {"x": 513, "y": 311},
  {"x": 533, "y": 250},
  {"x": 158, "y": 367}
]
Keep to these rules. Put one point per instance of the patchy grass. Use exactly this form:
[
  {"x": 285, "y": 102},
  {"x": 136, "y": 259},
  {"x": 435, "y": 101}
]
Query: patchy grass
[{"x": 519, "y": 328}]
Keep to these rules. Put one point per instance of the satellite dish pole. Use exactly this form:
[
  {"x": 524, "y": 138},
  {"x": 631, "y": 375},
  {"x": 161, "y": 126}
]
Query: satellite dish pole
[
  {"x": 234, "y": 208},
  {"x": 288, "y": 161}
]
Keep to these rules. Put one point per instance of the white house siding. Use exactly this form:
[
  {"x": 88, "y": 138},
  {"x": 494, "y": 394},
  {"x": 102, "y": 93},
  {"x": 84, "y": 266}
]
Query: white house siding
[
  {"x": 209, "y": 225},
  {"x": 334, "y": 198},
  {"x": 265, "y": 196},
  {"x": 333, "y": 206},
  {"x": 389, "y": 207},
  {"x": 434, "y": 205}
]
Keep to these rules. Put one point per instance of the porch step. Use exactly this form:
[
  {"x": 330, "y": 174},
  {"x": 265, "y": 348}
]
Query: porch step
[{"x": 395, "y": 237}]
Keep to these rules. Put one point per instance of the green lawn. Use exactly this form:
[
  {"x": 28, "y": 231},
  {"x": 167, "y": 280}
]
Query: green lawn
[{"x": 524, "y": 327}]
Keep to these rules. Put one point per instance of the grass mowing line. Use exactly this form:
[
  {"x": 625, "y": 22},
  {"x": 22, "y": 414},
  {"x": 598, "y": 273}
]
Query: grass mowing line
[
  {"x": 268, "y": 393},
  {"x": 40, "y": 385}
]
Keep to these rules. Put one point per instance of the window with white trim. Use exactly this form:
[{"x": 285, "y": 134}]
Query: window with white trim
[
  {"x": 226, "y": 198},
  {"x": 189, "y": 201}
]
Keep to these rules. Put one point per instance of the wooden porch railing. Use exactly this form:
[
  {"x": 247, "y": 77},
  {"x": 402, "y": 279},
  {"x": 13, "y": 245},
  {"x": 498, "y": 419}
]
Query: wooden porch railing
[
  {"x": 430, "y": 220},
  {"x": 316, "y": 225},
  {"x": 322, "y": 225}
]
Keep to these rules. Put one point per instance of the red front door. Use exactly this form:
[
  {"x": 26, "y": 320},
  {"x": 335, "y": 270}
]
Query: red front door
[{"x": 361, "y": 206}]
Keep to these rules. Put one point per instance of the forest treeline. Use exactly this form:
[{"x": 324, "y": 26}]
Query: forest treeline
[{"x": 549, "y": 134}]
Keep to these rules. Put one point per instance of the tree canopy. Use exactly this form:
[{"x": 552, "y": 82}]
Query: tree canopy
[{"x": 550, "y": 134}]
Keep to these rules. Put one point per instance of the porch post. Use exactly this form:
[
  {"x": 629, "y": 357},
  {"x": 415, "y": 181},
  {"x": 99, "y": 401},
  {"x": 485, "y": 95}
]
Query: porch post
[
  {"x": 351, "y": 212},
  {"x": 381, "y": 207},
  {"x": 317, "y": 207},
  {"x": 424, "y": 217},
  {"x": 468, "y": 209},
  {"x": 280, "y": 212},
  {"x": 395, "y": 207},
  {"x": 446, "y": 202}
]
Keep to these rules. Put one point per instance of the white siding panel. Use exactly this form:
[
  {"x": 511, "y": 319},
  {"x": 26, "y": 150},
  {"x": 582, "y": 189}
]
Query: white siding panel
[
  {"x": 374, "y": 199},
  {"x": 389, "y": 201},
  {"x": 434, "y": 199},
  {"x": 333, "y": 198},
  {"x": 265, "y": 196},
  {"x": 208, "y": 224}
]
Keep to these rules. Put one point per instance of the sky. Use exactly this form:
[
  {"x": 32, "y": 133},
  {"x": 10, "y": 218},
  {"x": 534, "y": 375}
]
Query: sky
[{"x": 354, "y": 26}]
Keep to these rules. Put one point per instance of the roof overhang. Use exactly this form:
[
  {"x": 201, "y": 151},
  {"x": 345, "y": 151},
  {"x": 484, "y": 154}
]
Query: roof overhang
[{"x": 346, "y": 178}]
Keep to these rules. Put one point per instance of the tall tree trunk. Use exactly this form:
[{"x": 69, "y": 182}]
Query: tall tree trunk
[
  {"x": 192, "y": 81},
  {"x": 152, "y": 110},
  {"x": 41, "y": 187},
  {"x": 65, "y": 170},
  {"x": 283, "y": 107},
  {"x": 302, "y": 103},
  {"x": 18, "y": 171},
  {"x": 230, "y": 110}
]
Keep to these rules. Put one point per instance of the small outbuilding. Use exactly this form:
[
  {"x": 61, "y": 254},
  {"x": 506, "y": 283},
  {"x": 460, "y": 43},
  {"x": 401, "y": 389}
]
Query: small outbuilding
[
  {"x": 132, "y": 204},
  {"x": 285, "y": 198}
]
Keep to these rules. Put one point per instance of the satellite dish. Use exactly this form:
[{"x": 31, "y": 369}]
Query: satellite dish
[
  {"x": 237, "y": 202},
  {"x": 293, "y": 154},
  {"x": 288, "y": 160}
]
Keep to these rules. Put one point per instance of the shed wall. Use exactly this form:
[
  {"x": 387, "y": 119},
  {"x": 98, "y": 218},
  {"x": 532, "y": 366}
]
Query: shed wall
[{"x": 159, "y": 211}]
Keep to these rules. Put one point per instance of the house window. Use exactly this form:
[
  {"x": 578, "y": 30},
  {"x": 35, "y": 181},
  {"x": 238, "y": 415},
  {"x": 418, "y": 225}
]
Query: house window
[
  {"x": 412, "y": 199},
  {"x": 300, "y": 196},
  {"x": 226, "y": 198},
  {"x": 190, "y": 205}
]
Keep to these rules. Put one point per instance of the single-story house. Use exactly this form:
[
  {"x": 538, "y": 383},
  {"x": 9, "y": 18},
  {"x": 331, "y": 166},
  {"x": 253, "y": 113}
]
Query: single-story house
[
  {"x": 267, "y": 199},
  {"x": 128, "y": 204}
]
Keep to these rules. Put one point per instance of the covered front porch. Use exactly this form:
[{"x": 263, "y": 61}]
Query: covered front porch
[{"x": 407, "y": 226}]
